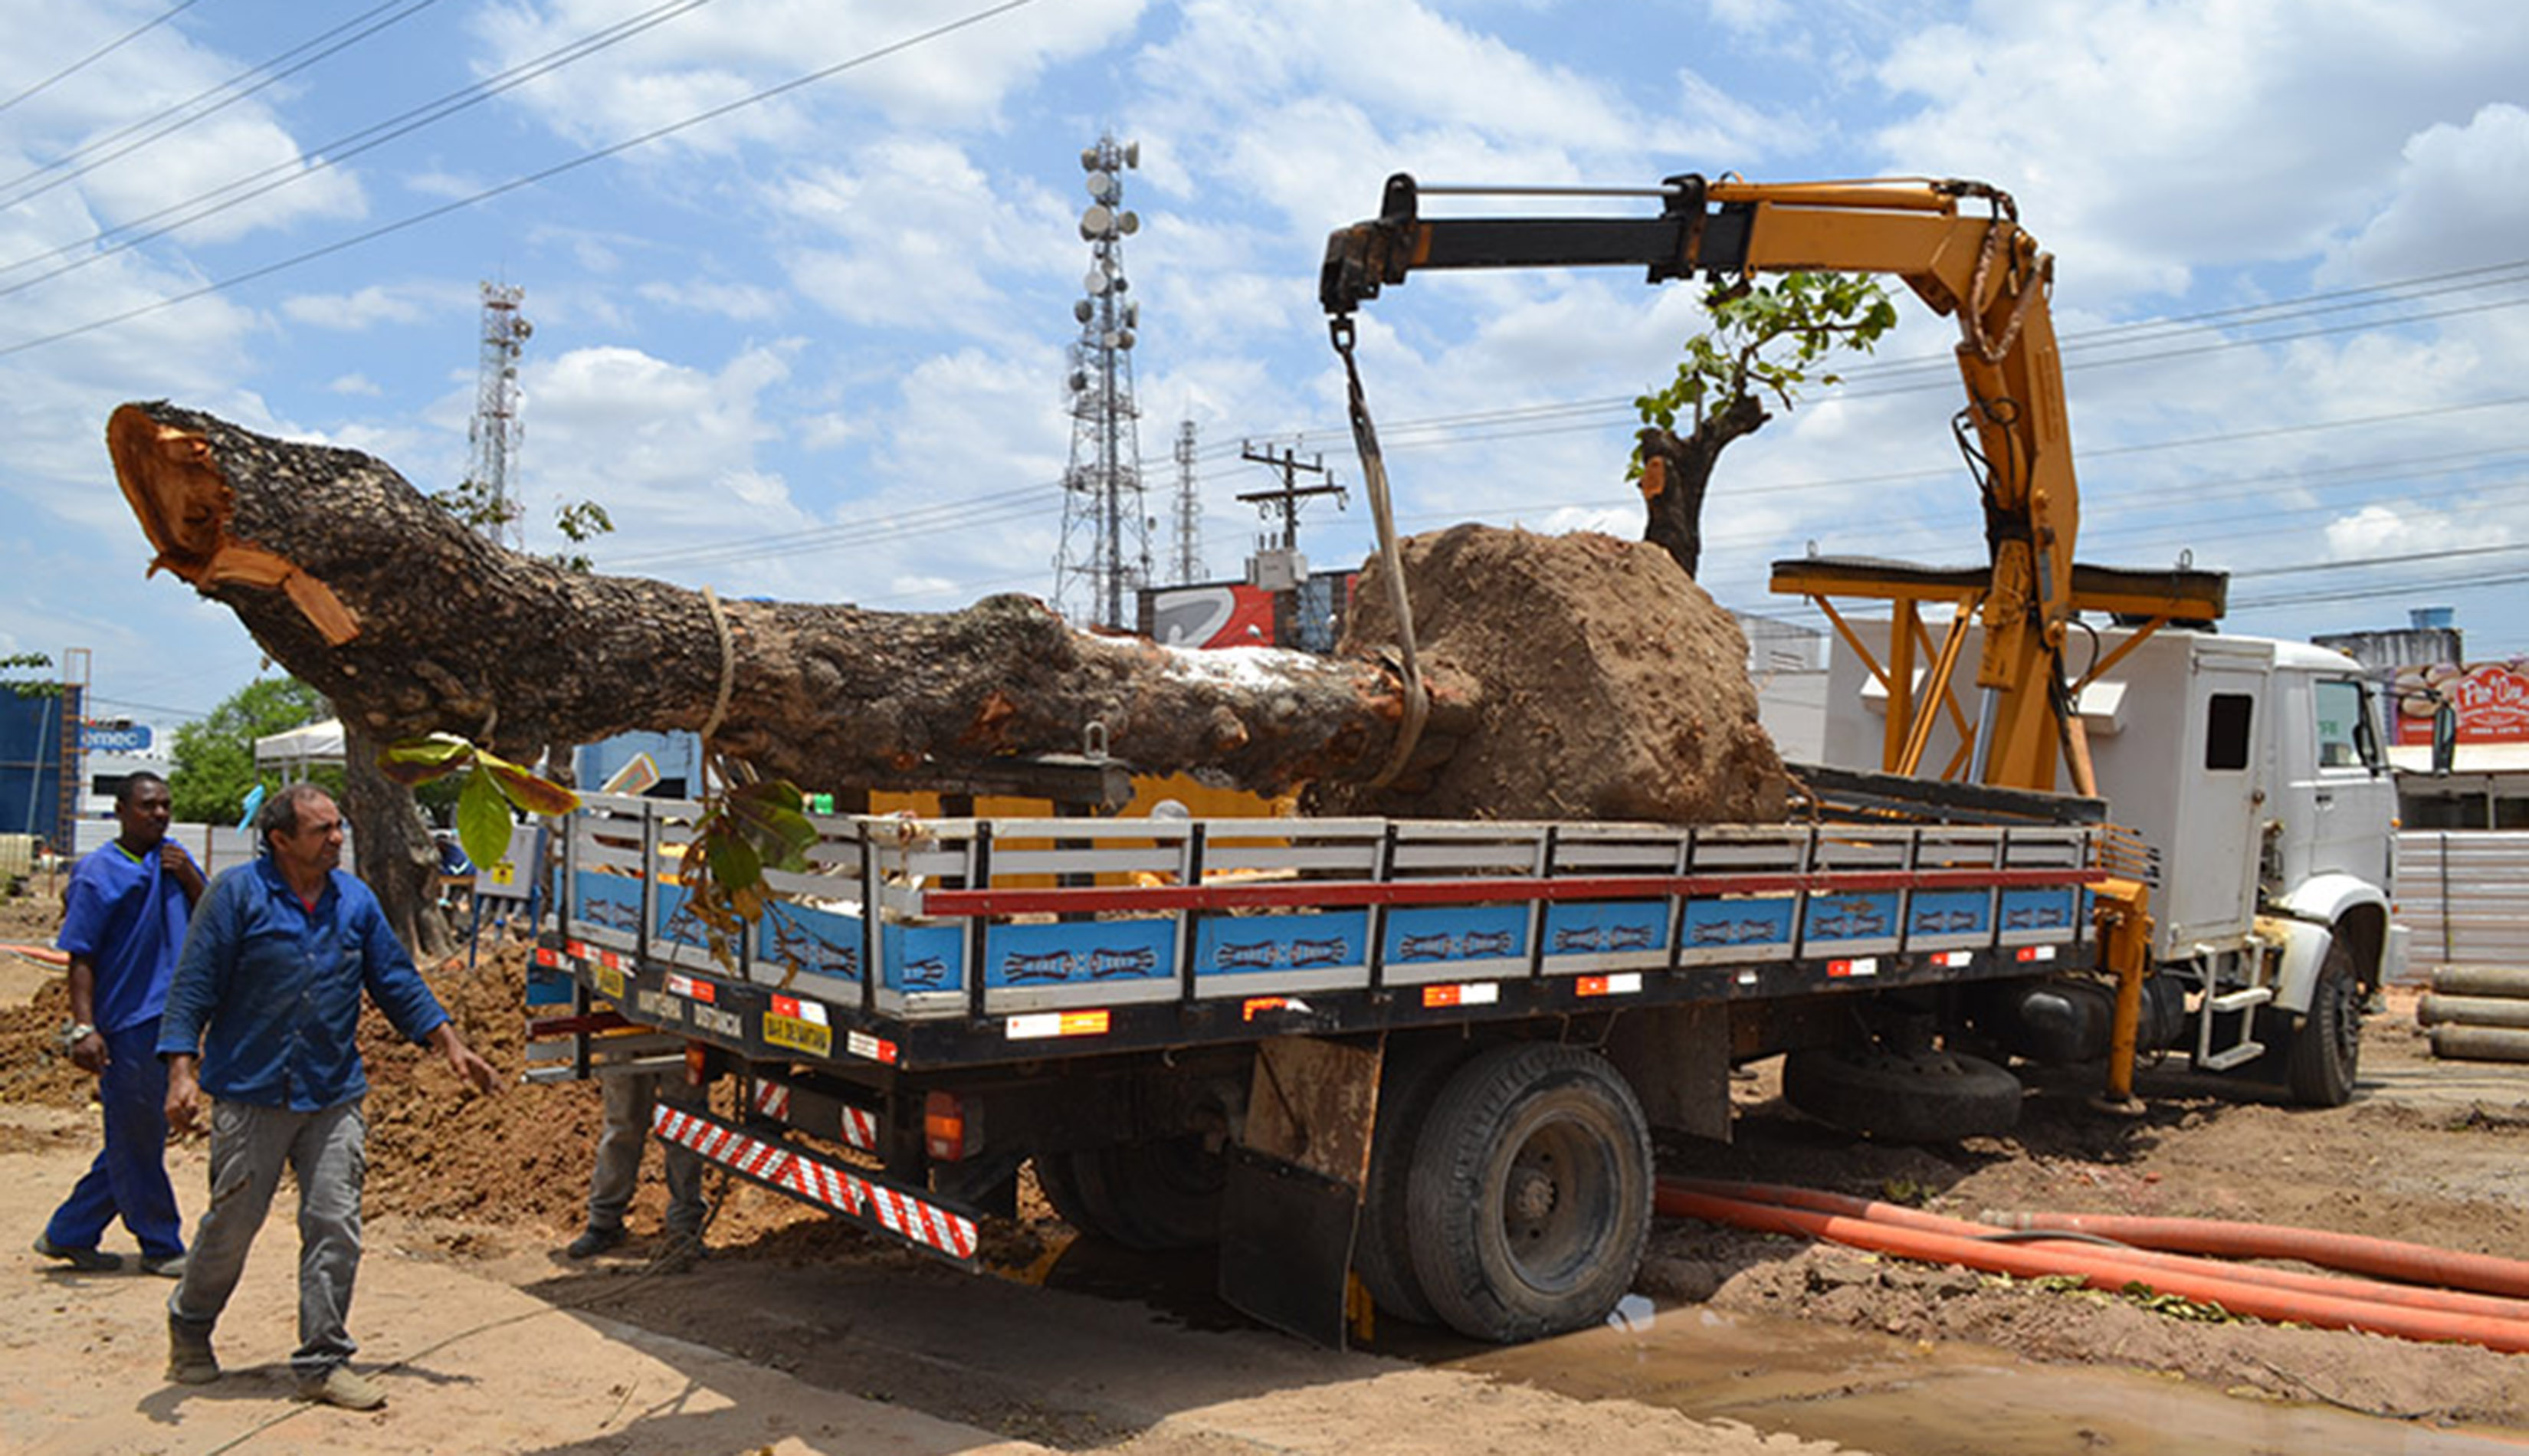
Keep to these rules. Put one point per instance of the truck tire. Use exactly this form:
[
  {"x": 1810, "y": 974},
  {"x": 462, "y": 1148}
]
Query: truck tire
[
  {"x": 1160, "y": 1194},
  {"x": 1935, "y": 1097},
  {"x": 1531, "y": 1192},
  {"x": 1056, "y": 1177},
  {"x": 2327, "y": 1044},
  {"x": 1382, "y": 1247}
]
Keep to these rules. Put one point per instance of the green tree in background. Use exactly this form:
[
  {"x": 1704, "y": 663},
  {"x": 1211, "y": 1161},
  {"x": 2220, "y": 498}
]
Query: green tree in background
[
  {"x": 28, "y": 688},
  {"x": 215, "y": 757}
]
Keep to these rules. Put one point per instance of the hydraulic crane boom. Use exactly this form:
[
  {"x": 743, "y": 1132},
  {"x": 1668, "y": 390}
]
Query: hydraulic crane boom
[{"x": 1974, "y": 264}]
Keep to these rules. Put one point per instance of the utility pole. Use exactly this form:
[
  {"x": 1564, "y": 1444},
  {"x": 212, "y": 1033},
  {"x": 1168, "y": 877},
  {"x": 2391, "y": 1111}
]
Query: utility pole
[
  {"x": 1291, "y": 493},
  {"x": 1105, "y": 549},
  {"x": 1281, "y": 570}
]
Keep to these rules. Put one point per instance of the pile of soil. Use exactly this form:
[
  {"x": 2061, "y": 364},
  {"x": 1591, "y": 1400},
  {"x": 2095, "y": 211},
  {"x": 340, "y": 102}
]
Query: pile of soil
[{"x": 1613, "y": 686}]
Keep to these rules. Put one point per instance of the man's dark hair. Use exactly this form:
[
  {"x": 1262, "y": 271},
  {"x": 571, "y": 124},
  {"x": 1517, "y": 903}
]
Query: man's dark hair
[
  {"x": 132, "y": 785},
  {"x": 280, "y": 813}
]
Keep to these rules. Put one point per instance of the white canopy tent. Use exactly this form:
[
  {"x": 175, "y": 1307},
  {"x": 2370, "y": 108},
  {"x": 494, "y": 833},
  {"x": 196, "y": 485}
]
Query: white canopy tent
[{"x": 295, "y": 752}]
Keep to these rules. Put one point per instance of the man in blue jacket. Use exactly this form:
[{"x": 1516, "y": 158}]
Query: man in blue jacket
[
  {"x": 264, "y": 1015},
  {"x": 122, "y": 920}
]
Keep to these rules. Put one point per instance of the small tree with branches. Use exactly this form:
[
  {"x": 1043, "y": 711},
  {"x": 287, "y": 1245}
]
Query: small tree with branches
[{"x": 1765, "y": 340}]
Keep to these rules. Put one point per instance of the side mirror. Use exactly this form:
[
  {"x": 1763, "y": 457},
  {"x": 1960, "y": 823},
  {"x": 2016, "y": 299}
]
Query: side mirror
[{"x": 2445, "y": 739}]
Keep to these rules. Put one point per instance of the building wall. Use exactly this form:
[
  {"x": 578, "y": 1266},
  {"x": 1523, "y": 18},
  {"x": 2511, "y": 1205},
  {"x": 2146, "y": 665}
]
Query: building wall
[{"x": 30, "y": 765}]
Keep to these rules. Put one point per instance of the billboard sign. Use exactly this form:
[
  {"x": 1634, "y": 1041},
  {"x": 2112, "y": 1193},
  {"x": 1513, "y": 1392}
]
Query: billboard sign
[
  {"x": 115, "y": 737},
  {"x": 2491, "y": 699}
]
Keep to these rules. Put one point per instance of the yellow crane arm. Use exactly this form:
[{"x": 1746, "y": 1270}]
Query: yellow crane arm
[{"x": 1960, "y": 247}]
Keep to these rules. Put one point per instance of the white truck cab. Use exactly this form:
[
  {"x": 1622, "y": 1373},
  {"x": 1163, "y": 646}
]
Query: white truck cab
[{"x": 2256, "y": 774}]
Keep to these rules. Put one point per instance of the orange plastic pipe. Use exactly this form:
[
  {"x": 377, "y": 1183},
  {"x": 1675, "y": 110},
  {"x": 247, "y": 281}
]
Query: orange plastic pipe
[
  {"x": 2145, "y": 1261},
  {"x": 2391, "y": 1258},
  {"x": 2098, "y": 1270}
]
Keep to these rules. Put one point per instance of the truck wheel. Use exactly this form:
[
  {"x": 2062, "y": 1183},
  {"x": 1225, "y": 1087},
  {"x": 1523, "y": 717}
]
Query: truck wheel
[
  {"x": 1531, "y": 1192},
  {"x": 1382, "y": 1252},
  {"x": 2326, "y": 1045},
  {"x": 1934, "y": 1098},
  {"x": 1160, "y": 1194},
  {"x": 1058, "y": 1177}
]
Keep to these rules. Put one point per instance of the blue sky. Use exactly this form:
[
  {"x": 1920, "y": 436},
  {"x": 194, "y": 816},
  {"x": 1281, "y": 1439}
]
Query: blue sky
[{"x": 813, "y": 347}]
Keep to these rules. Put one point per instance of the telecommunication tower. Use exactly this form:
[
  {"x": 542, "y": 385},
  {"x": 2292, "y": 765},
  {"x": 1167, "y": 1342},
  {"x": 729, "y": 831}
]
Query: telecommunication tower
[
  {"x": 1105, "y": 533},
  {"x": 495, "y": 431},
  {"x": 1189, "y": 564}
]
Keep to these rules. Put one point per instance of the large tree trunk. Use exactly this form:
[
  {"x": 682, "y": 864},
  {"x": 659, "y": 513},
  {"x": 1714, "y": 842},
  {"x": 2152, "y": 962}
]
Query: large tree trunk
[
  {"x": 394, "y": 851},
  {"x": 409, "y": 623}
]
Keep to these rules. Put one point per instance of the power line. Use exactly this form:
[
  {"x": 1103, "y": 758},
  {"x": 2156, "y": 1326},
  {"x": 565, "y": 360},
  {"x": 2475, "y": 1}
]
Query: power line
[
  {"x": 414, "y": 8},
  {"x": 99, "y": 54},
  {"x": 240, "y": 190},
  {"x": 529, "y": 180}
]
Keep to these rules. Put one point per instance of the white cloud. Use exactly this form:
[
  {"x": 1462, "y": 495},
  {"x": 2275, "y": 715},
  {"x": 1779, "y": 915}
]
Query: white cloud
[
  {"x": 666, "y": 450},
  {"x": 742, "y": 302},
  {"x": 378, "y": 304},
  {"x": 2462, "y": 201},
  {"x": 2147, "y": 140},
  {"x": 920, "y": 238},
  {"x": 725, "y": 53},
  {"x": 356, "y": 384}
]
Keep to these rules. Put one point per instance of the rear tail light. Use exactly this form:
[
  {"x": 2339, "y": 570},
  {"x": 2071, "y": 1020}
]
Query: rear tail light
[{"x": 944, "y": 1126}]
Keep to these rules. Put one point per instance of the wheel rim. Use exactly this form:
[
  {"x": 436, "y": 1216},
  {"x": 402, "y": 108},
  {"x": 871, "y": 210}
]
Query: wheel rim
[{"x": 1553, "y": 1196}]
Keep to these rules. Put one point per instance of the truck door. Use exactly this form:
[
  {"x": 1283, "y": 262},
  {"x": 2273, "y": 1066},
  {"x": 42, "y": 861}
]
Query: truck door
[
  {"x": 2349, "y": 795},
  {"x": 2212, "y": 858}
]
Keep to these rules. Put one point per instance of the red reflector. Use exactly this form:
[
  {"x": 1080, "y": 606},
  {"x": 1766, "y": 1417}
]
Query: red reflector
[{"x": 697, "y": 1064}]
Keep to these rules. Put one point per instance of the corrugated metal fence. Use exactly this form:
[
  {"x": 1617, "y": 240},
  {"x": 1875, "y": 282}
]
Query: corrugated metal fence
[{"x": 2464, "y": 894}]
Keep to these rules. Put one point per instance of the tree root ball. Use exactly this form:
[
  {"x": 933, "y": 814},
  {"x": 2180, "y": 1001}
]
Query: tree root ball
[{"x": 1613, "y": 688}]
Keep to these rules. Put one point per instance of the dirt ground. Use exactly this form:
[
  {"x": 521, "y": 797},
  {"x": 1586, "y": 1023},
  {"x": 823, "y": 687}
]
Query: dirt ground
[{"x": 799, "y": 1334}]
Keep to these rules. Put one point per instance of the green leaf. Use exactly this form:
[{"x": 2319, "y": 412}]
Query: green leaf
[
  {"x": 770, "y": 816},
  {"x": 734, "y": 862},
  {"x": 421, "y": 760},
  {"x": 483, "y": 820},
  {"x": 528, "y": 791}
]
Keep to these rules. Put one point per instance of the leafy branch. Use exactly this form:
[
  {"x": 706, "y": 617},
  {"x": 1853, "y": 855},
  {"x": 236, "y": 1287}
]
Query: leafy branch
[
  {"x": 750, "y": 828},
  {"x": 1766, "y": 339},
  {"x": 492, "y": 791}
]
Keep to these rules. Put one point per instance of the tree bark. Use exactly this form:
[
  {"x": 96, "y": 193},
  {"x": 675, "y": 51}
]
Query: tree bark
[
  {"x": 409, "y": 623},
  {"x": 1678, "y": 470},
  {"x": 395, "y": 852}
]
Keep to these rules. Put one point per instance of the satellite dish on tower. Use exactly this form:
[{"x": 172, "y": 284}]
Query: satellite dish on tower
[
  {"x": 1097, "y": 222},
  {"x": 1103, "y": 186},
  {"x": 1132, "y": 154}
]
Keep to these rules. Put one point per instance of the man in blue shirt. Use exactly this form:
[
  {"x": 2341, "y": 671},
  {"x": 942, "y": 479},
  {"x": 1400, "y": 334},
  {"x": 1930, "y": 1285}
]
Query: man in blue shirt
[
  {"x": 264, "y": 1015},
  {"x": 122, "y": 920}
]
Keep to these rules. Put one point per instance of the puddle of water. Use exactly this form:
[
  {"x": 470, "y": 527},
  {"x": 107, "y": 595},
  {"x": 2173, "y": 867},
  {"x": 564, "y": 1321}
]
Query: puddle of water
[{"x": 1897, "y": 1398}]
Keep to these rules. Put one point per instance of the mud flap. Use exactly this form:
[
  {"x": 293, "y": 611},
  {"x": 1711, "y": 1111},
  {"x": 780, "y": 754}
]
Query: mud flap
[{"x": 1294, "y": 1185}]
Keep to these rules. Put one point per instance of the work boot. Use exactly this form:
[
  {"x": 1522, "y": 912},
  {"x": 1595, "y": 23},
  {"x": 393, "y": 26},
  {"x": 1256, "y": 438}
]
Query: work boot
[
  {"x": 171, "y": 1267},
  {"x": 346, "y": 1387},
  {"x": 86, "y": 1261},
  {"x": 682, "y": 1252},
  {"x": 190, "y": 1361},
  {"x": 593, "y": 1242}
]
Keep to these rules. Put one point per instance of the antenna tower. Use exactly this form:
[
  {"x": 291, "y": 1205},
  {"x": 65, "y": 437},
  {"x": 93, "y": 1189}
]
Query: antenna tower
[
  {"x": 1188, "y": 510},
  {"x": 495, "y": 431},
  {"x": 1106, "y": 531}
]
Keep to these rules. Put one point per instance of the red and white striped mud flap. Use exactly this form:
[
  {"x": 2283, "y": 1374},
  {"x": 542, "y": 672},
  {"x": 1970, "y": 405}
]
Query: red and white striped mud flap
[{"x": 913, "y": 1217}]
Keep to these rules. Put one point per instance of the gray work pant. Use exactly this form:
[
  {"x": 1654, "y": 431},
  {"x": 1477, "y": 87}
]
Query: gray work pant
[
  {"x": 328, "y": 1153},
  {"x": 628, "y": 1096}
]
